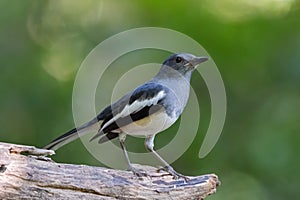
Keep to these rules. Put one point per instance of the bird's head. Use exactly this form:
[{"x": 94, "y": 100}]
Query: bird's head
[{"x": 183, "y": 62}]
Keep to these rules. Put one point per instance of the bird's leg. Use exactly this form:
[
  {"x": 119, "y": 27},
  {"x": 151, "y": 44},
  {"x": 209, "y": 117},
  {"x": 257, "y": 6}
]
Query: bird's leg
[
  {"x": 134, "y": 170},
  {"x": 149, "y": 144}
]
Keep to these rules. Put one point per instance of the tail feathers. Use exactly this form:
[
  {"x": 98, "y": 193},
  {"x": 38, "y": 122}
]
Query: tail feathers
[
  {"x": 72, "y": 135},
  {"x": 63, "y": 139},
  {"x": 104, "y": 137},
  {"x": 107, "y": 137},
  {"x": 99, "y": 134}
]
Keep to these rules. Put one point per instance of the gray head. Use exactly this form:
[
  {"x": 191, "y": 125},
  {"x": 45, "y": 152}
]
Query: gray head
[{"x": 183, "y": 62}]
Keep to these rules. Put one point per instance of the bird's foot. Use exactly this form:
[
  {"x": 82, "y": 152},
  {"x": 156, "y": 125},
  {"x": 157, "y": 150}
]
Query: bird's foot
[
  {"x": 138, "y": 172},
  {"x": 175, "y": 174}
]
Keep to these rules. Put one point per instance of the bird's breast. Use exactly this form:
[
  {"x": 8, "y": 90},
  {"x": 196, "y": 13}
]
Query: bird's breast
[{"x": 150, "y": 125}]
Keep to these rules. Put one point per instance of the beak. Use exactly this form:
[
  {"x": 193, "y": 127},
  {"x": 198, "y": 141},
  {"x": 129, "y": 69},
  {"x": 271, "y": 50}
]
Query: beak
[{"x": 197, "y": 60}]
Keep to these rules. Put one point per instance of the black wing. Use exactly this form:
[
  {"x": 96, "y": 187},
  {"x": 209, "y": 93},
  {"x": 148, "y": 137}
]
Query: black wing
[{"x": 142, "y": 102}]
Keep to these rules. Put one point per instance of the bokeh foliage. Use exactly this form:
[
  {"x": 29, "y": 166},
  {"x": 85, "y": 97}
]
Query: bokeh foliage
[{"x": 256, "y": 45}]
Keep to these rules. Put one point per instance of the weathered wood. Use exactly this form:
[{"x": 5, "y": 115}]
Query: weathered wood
[{"x": 25, "y": 173}]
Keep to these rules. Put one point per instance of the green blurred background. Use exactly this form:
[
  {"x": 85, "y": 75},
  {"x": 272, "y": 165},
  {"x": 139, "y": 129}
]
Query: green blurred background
[{"x": 255, "y": 44}]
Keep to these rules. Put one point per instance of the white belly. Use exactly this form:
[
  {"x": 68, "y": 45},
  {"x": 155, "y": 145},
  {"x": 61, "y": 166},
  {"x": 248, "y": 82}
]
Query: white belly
[{"x": 149, "y": 126}]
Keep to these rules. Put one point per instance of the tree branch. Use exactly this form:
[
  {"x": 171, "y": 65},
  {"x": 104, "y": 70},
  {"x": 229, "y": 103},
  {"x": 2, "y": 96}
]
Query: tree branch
[{"x": 26, "y": 173}]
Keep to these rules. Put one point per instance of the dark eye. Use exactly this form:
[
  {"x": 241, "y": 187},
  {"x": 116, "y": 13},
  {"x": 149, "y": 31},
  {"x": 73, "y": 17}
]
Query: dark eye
[{"x": 178, "y": 59}]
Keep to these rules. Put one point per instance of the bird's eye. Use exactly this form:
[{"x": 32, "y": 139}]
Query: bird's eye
[{"x": 178, "y": 59}]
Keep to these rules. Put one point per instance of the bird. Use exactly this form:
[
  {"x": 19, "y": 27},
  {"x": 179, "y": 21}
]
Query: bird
[{"x": 145, "y": 111}]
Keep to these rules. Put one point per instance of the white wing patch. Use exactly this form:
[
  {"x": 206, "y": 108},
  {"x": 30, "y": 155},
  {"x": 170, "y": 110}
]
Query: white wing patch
[{"x": 135, "y": 107}]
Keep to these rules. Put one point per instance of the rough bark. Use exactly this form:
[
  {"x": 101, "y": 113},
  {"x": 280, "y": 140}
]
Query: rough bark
[{"x": 26, "y": 173}]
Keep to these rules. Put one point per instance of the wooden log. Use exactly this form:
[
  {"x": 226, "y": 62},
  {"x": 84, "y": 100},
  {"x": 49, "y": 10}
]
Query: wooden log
[{"x": 26, "y": 173}]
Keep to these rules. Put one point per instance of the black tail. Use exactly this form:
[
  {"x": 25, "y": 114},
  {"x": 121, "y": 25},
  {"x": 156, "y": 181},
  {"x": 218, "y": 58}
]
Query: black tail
[
  {"x": 72, "y": 135},
  {"x": 62, "y": 140}
]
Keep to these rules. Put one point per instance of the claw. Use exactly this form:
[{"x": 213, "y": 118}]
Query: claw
[
  {"x": 138, "y": 173},
  {"x": 175, "y": 174}
]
